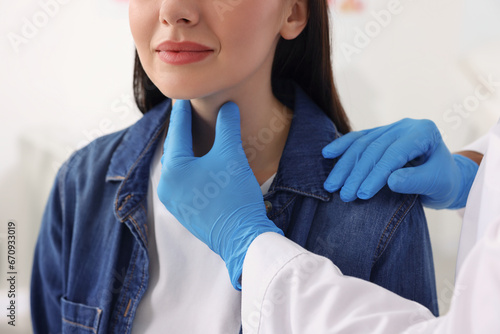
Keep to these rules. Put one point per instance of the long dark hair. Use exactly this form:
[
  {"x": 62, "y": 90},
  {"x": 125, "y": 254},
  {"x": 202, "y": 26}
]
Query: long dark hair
[{"x": 305, "y": 60}]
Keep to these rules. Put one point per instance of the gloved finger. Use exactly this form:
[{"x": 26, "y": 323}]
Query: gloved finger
[
  {"x": 340, "y": 172},
  {"x": 179, "y": 141},
  {"x": 397, "y": 155},
  {"x": 340, "y": 145},
  {"x": 342, "y": 169},
  {"x": 369, "y": 159},
  {"x": 228, "y": 130}
]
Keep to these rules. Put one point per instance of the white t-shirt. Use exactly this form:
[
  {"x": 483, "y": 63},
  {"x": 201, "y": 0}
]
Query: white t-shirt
[{"x": 189, "y": 288}]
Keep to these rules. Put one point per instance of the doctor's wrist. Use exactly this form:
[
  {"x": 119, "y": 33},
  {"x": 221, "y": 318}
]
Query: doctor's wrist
[
  {"x": 235, "y": 252},
  {"x": 472, "y": 155}
]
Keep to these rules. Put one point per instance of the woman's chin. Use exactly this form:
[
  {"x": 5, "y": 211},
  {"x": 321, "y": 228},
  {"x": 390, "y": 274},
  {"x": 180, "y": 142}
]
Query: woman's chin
[{"x": 183, "y": 93}]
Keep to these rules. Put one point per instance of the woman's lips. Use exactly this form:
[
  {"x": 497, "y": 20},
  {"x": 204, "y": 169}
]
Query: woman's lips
[
  {"x": 182, "y": 53},
  {"x": 183, "y": 57}
]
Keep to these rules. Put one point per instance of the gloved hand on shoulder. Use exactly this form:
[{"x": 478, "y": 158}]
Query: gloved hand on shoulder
[{"x": 410, "y": 156}]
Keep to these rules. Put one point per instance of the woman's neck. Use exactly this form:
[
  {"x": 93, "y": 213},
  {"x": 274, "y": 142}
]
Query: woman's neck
[{"x": 265, "y": 123}]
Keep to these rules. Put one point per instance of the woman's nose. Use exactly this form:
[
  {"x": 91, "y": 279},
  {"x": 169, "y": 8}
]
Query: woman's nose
[{"x": 179, "y": 12}]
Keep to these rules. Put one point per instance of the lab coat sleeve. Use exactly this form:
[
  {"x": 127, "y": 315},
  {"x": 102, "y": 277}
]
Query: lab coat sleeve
[
  {"x": 286, "y": 289},
  {"x": 484, "y": 196},
  {"x": 476, "y": 298}
]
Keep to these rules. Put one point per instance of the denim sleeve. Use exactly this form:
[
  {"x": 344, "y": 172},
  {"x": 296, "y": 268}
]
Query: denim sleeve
[
  {"x": 403, "y": 261},
  {"x": 47, "y": 271}
]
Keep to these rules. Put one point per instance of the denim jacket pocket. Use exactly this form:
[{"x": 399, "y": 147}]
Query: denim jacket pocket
[{"x": 79, "y": 318}]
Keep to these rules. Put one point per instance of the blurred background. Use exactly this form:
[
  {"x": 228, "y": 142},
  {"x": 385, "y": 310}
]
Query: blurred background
[{"x": 66, "y": 78}]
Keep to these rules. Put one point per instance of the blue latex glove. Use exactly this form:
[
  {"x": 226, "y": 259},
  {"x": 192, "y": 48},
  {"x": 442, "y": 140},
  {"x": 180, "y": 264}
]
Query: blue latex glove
[
  {"x": 216, "y": 197},
  {"x": 372, "y": 158}
]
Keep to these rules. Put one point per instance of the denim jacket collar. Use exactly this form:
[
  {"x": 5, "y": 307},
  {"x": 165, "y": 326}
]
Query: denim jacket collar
[
  {"x": 132, "y": 158},
  {"x": 302, "y": 168}
]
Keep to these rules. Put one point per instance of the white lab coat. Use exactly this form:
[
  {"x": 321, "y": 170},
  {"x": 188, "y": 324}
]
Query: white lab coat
[{"x": 286, "y": 289}]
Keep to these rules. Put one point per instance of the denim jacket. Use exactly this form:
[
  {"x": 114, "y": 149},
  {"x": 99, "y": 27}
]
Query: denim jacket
[{"x": 90, "y": 267}]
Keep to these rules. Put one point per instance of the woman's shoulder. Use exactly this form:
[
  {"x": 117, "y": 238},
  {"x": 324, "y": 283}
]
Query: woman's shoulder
[
  {"x": 119, "y": 151},
  {"x": 95, "y": 154},
  {"x": 386, "y": 210},
  {"x": 362, "y": 230},
  {"x": 371, "y": 224}
]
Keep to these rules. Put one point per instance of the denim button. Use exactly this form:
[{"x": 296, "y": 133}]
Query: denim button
[{"x": 269, "y": 206}]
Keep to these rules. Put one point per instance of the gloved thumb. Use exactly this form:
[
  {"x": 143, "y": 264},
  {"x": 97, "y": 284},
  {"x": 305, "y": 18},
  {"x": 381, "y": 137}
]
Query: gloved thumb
[
  {"x": 227, "y": 129},
  {"x": 412, "y": 180},
  {"x": 179, "y": 141}
]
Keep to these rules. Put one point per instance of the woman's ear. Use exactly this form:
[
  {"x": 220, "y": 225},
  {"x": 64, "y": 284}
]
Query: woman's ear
[{"x": 296, "y": 19}]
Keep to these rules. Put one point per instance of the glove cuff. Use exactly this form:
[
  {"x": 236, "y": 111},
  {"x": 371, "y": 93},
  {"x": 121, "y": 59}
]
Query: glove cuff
[
  {"x": 234, "y": 262},
  {"x": 468, "y": 170}
]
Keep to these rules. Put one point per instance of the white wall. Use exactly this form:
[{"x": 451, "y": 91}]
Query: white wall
[{"x": 71, "y": 80}]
